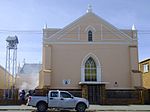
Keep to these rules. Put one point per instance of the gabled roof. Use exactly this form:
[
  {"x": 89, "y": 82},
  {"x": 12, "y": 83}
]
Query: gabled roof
[
  {"x": 29, "y": 69},
  {"x": 3, "y": 69},
  {"x": 146, "y": 60},
  {"x": 82, "y": 18}
]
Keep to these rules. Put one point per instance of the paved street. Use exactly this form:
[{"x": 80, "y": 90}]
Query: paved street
[
  {"x": 93, "y": 108},
  {"x": 70, "y": 111}
]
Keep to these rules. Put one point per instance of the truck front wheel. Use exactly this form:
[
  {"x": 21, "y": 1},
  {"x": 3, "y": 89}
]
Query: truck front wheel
[
  {"x": 41, "y": 107},
  {"x": 80, "y": 107}
]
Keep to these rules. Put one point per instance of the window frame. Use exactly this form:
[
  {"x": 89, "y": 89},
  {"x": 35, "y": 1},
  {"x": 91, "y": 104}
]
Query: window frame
[
  {"x": 90, "y": 70},
  {"x": 145, "y": 68},
  {"x": 98, "y": 67}
]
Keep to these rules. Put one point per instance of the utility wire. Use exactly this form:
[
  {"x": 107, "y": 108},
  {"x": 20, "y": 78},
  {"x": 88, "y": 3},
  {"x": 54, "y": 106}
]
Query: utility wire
[{"x": 52, "y": 32}]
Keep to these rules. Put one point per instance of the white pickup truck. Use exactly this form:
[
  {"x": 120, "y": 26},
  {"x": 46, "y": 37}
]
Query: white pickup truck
[{"x": 59, "y": 100}]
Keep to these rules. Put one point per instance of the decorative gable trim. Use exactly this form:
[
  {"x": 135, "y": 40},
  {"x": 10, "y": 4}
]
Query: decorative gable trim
[
  {"x": 113, "y": 32},
  {"x": 113, "y": 27},
  {"x": 67, "y": 27},
  {"x": 88, "y": 28},
  {"x": 62, "y": 32}
]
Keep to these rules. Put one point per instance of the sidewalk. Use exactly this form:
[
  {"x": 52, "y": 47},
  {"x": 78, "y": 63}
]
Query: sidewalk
[
  {"x": 16, "y": 107},
  {"x": 120, "y": 108},
  {"x": 92, "y": 107}
]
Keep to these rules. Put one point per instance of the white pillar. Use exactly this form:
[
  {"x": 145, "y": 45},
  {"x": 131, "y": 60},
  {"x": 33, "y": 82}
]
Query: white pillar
[
  {"x": 82, "y": 74},
  {"x": 98, "y": 74}
]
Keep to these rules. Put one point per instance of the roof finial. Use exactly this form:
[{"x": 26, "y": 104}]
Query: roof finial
[
  {"x": 24, "y": 61},
  {"x": 89, "y": 8},
  {"x": 133, "y": 27},
  {"x": 45, "y": 26}
]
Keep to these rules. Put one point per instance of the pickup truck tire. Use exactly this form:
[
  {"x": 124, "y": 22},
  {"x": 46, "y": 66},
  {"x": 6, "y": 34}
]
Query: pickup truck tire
[
  {"x": 80, "y": 107},
  {"x": 41, "y": 107}
]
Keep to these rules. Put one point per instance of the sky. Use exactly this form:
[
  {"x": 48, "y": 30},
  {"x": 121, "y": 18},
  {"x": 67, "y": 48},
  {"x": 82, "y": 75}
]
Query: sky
[{"x": 27, "y": 18}]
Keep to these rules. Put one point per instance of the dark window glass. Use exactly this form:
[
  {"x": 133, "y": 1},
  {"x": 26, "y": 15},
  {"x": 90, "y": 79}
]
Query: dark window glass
[
  {"x": 65, "y": 95},
  {"x": 90, "y": 36},
  {"x": 90, "y": 70},
  {"x": 54, "y": 94}
]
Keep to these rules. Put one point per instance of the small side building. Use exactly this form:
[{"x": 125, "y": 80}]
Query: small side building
[
  {"x": 144, "y": 68},
  {"x": 5, "y": 83},
  {"x": 28, "y": 76}
]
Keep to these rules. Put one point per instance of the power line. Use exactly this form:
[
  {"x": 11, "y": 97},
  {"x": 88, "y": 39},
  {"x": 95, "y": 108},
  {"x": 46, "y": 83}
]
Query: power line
[{"x": 52, "y": 32}]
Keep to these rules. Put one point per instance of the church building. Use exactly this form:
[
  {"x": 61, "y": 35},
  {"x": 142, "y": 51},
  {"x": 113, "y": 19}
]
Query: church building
[{"x": 90, "y": 55}]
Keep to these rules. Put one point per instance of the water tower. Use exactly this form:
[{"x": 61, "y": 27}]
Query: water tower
[{"x": 11, "y": 66}]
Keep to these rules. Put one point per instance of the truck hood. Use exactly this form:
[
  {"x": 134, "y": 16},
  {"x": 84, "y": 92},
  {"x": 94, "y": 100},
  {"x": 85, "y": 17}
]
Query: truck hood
[{"x": 79, "y": 98}]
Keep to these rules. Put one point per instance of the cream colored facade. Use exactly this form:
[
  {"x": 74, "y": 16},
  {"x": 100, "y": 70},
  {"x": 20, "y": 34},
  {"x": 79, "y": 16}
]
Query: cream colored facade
[
  {"x": 66, "y": 51},
  {"x": 4, "y": 84}
]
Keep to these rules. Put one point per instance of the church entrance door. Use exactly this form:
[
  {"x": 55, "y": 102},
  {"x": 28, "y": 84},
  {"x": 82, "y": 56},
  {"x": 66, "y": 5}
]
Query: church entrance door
[{"x": 94, "y": 94}]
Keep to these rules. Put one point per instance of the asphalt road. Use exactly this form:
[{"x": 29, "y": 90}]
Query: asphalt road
[{"x": 71, "y": 111}]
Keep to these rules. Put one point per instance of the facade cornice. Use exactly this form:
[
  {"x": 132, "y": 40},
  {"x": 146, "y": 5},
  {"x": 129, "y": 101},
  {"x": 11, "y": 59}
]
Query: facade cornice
[
  {"x": 47, "y": 70},
  {"x": 89, "y": 43},
  {"x": 92, "y": 83}
]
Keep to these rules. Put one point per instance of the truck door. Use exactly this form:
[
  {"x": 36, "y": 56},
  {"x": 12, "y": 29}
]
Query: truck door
[
  {"x": 66, "y": 100},
  {"x": 53, "y": 100}
]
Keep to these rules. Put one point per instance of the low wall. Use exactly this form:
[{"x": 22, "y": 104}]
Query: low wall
[
  {"x": 9, "y": 101},
  {"x": 119, "y": 97},
  {"x": 110, "y": 96},
  {"x": 146, "y": 96}
]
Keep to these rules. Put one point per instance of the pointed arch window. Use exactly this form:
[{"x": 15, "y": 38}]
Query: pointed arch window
[
  {"x": 90, "y": 38},
  {"x": 90, "y": 70}
]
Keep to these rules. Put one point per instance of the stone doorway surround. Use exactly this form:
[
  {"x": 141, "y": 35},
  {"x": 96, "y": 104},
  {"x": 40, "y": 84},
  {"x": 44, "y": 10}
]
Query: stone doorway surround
[{"x": 100, "y": 86}]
